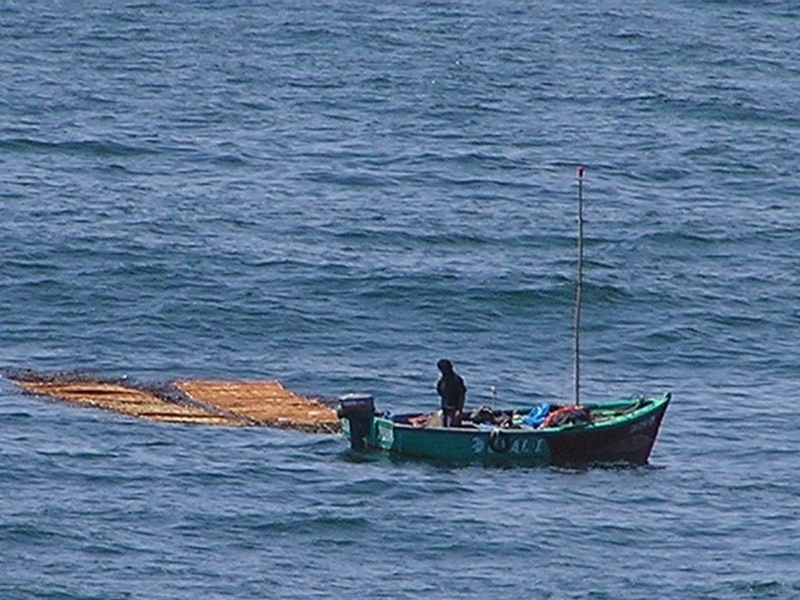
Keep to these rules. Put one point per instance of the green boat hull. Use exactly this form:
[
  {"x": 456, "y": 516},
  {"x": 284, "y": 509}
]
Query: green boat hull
[{"x": 621, "y": 431}]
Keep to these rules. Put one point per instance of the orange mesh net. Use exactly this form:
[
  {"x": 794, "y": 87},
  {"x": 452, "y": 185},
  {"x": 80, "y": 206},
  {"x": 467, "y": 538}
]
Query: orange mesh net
[
  {"x": 263, "y": 403},
  {"x": 229, "y": 403}
]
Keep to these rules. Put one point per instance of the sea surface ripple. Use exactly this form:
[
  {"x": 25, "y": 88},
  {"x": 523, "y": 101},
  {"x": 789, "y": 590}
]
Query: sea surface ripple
[{"x": 336, "y": 195}]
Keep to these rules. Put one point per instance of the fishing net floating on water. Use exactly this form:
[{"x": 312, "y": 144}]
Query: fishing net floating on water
[
  {"x": 263, "y": 403},
  {"x": 227, "y": 403}
]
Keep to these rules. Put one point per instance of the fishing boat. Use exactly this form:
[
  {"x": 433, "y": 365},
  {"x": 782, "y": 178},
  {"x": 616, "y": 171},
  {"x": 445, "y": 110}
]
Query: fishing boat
[
  {"x": 621, "y": 431},
  {"x": 611, "y": 432}
]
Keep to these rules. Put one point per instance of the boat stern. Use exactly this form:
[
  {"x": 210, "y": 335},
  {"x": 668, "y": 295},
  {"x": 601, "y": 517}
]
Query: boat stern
[{"x": 356, "y": 413}]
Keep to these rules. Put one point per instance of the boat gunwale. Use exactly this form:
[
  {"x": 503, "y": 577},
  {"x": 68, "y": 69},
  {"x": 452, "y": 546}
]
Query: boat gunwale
[{"x": 652, "y": 405}]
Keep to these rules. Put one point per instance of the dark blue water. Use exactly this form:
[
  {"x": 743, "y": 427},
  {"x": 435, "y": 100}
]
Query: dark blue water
[{"x": 337, "y": 194}]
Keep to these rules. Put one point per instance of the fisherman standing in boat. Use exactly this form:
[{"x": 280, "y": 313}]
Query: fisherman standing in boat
[{"x": 453, "y": 392}]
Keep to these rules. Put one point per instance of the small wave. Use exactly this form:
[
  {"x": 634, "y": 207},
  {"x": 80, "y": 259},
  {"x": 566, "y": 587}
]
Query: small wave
[
  {"x": 90, "y": 147},
  {"x": 26, "y": 532},
  {"x": 316, "y": 524},
  {"x": 765, "y": 589},
  {"x": 348, "y": 179}
]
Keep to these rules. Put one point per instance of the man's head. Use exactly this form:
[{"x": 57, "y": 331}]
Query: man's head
[{"x": 445, "y": 366}]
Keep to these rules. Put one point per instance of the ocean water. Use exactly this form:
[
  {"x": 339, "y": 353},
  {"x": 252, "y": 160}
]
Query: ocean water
[{"x": 337, "y": 194}]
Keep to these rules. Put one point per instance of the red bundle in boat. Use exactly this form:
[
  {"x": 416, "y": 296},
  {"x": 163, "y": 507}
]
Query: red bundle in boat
[{"x": 566, "y": 415}]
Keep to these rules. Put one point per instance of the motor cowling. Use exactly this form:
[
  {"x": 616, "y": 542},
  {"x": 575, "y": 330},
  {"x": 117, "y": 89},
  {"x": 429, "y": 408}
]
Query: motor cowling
[{"x": 358, "y": 410}]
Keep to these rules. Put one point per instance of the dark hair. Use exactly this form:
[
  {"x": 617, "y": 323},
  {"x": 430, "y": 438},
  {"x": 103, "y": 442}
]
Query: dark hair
[{"x": 445, "y": 366}]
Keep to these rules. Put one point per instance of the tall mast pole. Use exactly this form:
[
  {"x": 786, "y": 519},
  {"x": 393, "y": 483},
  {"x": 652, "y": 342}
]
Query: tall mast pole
[{"x": 578, "y": 286}]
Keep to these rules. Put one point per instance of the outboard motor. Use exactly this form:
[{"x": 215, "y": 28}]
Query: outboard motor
[{"x": 358, "y": 409}]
